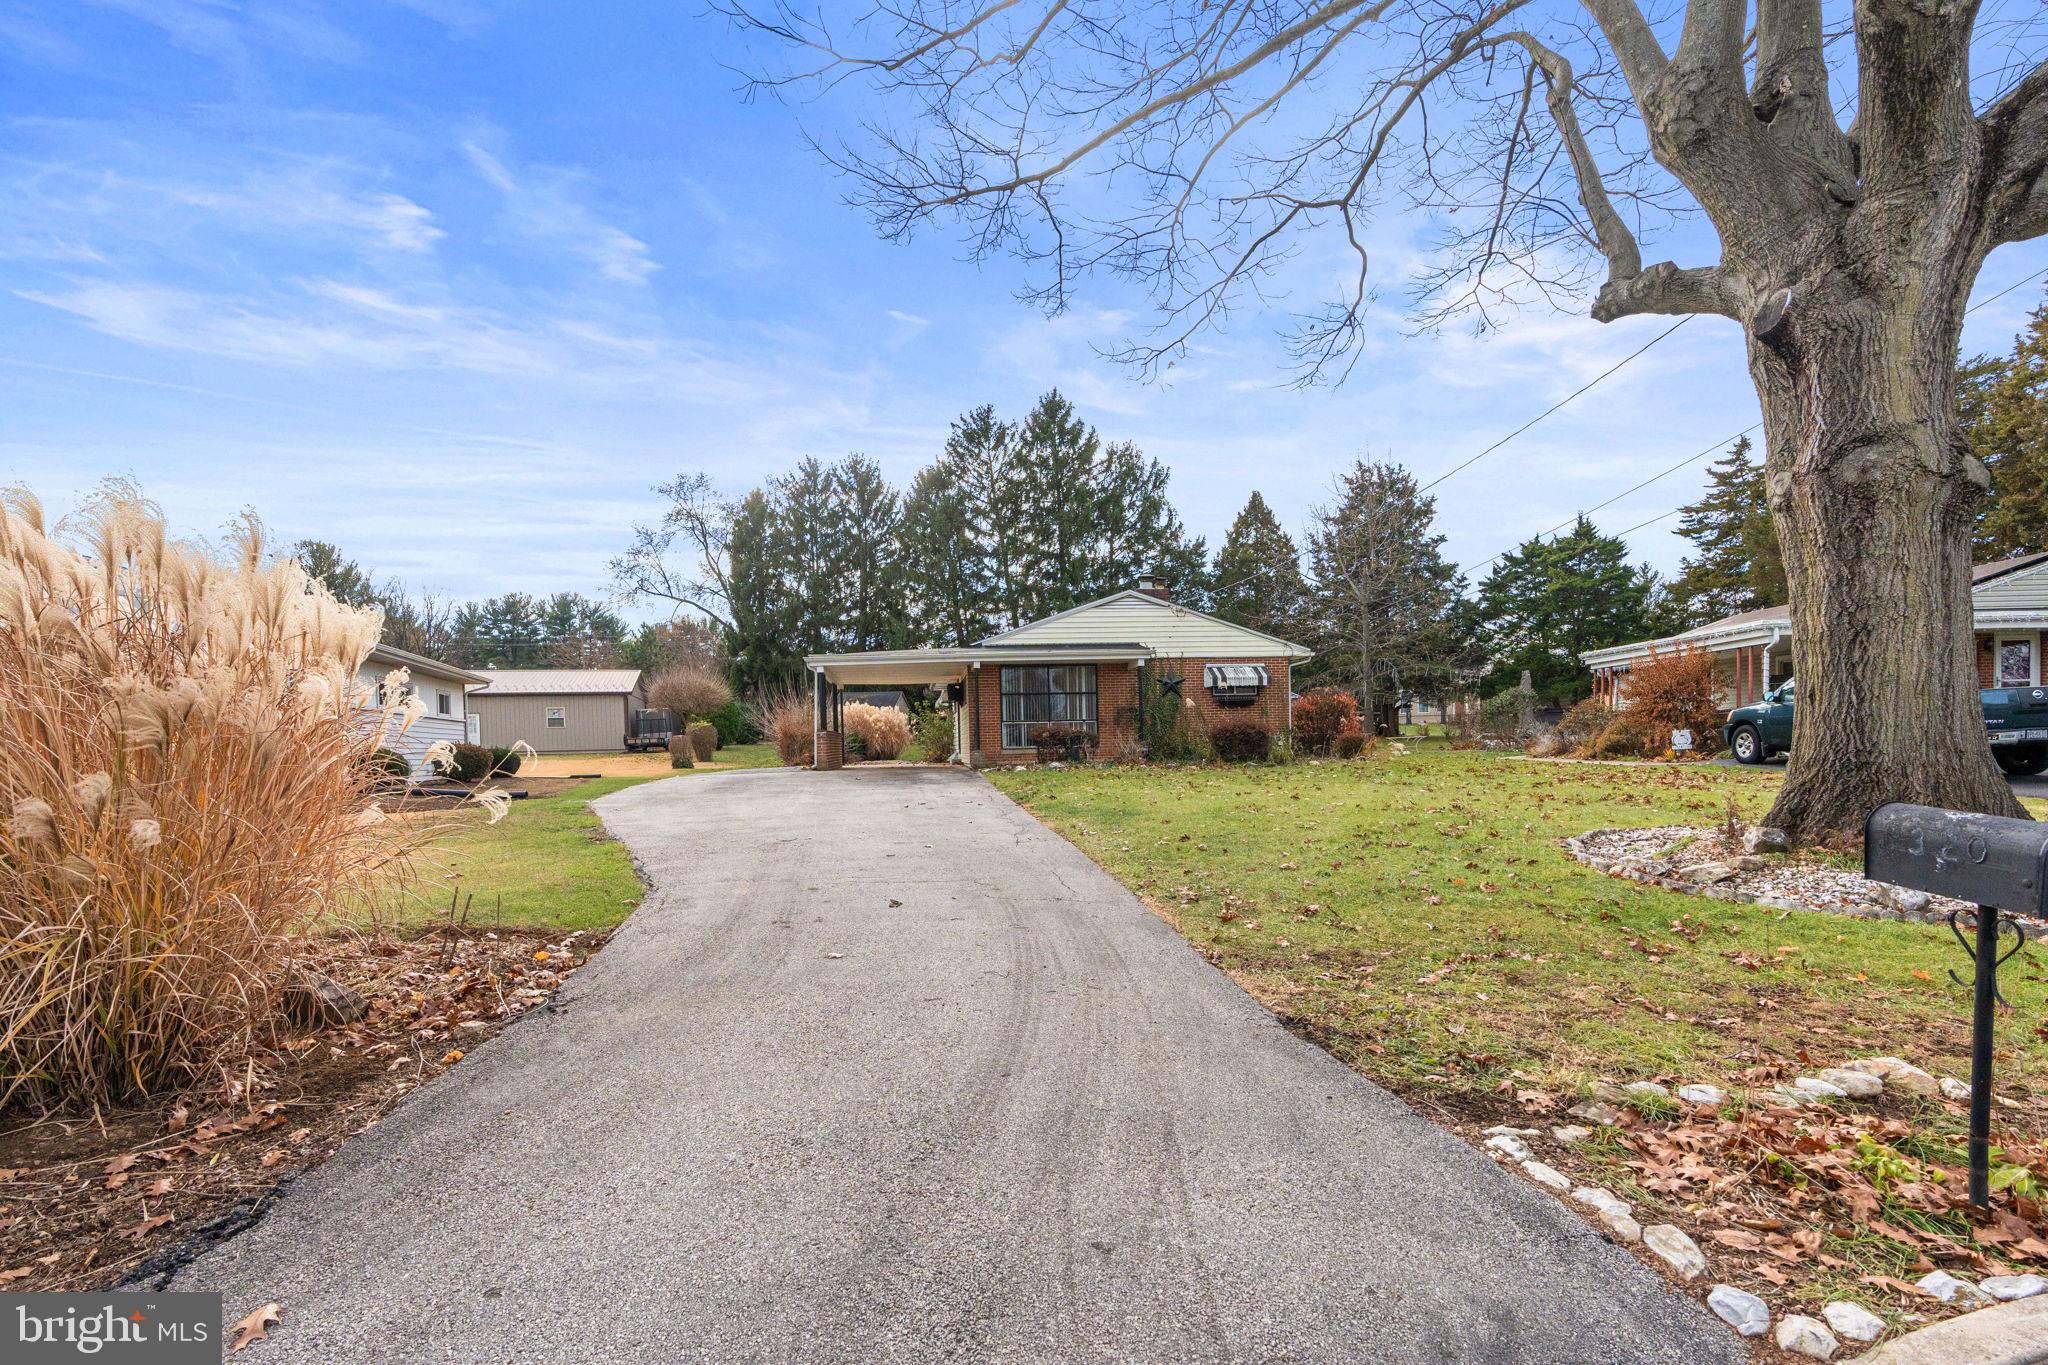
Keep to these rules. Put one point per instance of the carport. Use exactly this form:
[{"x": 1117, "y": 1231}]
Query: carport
[{"x": 977, "y": 705}]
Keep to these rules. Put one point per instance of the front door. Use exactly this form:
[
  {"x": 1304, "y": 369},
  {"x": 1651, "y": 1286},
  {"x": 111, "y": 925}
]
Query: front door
[{"x": 2019, "y": 663}]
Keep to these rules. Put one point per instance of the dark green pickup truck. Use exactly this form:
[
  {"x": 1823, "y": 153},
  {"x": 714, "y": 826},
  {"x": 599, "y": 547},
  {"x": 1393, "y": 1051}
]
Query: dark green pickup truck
[{"x": 2015, "y": 721}]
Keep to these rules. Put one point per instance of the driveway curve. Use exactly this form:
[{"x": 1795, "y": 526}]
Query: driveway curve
[{"x": 883, "y": 1070}]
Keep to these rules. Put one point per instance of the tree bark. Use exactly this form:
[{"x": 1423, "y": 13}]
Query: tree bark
[{"x": 1874, "y": 496}]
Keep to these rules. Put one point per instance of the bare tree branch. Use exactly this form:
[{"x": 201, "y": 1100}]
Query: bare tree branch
[{"x": 2015, "y": 133}]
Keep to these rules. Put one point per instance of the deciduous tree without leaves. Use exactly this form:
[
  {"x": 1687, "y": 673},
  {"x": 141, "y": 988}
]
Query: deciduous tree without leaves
[{"x": 1540, "y": 137}]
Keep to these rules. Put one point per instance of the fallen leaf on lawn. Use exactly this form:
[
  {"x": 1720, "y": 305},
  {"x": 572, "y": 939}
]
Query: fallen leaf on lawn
[
  {"x": 255, "y": 1327},
  {"x": 17, "y": 1273},
  {"x": 117, "y": 1170},
  {"x": 298, "y": 1134},
  {"x": 1733, "y": 1237},
  {"x": 161, "y": 1185},
  {"x": 176, "y": 1121},
  {"x": 272, "y": 1157},
  {"x": 451, "y": 1057},
  {"x": 148, "y": 1225}
]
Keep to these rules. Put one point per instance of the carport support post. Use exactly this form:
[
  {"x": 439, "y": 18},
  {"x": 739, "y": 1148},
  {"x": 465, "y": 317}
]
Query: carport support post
[{"x": 817, "y": 708}]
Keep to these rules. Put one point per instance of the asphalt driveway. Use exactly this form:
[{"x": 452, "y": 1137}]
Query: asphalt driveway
[{"x": 884, "y": 1070}]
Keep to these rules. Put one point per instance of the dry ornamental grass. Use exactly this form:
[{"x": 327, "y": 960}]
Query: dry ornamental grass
[{"x": 187, "y": 784}]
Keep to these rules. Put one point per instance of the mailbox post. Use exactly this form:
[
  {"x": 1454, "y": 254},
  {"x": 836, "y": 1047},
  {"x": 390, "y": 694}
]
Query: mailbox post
[{"x": 1993, "y": 861}]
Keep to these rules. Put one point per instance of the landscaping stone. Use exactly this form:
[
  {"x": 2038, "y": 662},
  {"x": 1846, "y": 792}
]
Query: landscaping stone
[
  {"x": 1607, "y": 1093},
  {"x": 1895, "y": 1071},
  {"x": 1749, "y": 862},
  {"x": 1707, "y": 874},
  {"x": 1766, "y": 839},
  {"x": 1593, "y": 1111},
  {"x": 1949, "y": 1289},
  {"x": 2008, "y": 1332},
  {"x": 1806, "y": 1336},
  {"x": 1853, "y": 1320},
  {"x": 1953, "y": 1089},
  {"x": 1857, "y": 1085},
  {"x": 1599, "y": 1200},
  {"x": 1711, "y": 1095},
  {"x": 1547, "y": 1176},
  {"x": 1571, "y": 1133},
  {"x": 1779, "y": 1094},
  {"x": 1749, "y": 1315},
  {"x": 1905, "y": 899},
  {"x": 1645, "y": 1090},
  {"x": 1509, "y": 1146},
  {"x": 315, "y": 1000},
  {"x": 1676, "y": 1250},
  {"x": 1624, "y": 1228},
  {"x": 1815, "y": 1088},
  {"x": 2007, "y": 1287},
  {"x": 1500, "y": 1128}
]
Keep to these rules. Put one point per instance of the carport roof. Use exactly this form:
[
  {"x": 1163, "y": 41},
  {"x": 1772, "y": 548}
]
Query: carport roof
[{"x": 945, "y": 665}]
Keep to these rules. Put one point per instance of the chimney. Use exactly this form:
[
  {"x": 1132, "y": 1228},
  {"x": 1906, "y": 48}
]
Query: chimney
[{"x": 1152, "y": 585}]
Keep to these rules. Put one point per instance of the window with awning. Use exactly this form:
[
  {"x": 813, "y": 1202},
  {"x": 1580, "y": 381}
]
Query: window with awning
[{"x": 1234, "y": 684}]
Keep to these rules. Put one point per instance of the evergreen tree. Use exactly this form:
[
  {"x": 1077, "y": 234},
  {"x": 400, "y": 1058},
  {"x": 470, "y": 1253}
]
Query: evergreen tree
[
  {"x": 1736, "y": 564},
  {"x": 2004, "y": 409},
  {"x": 982, "y": 466},
  {"x": 1258, "y": 572},
  {"x": 1548, "y": 601},
  {"x": 1061, "y": 511},
  {"x": 807, "y": 551},
  {"x": 871, "y": 577},
  {"x": 343, "y": 576},
  {"x": 1381, "y": 591},
  {"x": 947, "y": 584},
  {"x": 763, "y": 619}
]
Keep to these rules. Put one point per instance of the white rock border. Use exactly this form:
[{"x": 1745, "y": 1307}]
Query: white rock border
[{"x": 1653, "y": 870}]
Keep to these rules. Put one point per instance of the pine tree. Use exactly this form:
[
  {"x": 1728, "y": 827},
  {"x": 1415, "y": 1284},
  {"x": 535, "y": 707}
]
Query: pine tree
[
  {"x": 947, "y": 586},
  {"x": 1136, "y": 531},
  {"x": 1060, "y": 509},
  {"x": 806, "y": 548},
  {"x": 982, "y": 466},
  {"x": 343, "y": 576},
  {"x": 1258, "y": 572},
  {"x": 1381, "y": 591},
  {"x": 2004, "y": 409},
  {"x": 1548, "y": 601},
  {"x": 1736, "y": 564},
  {"x": 871, "y": 585},
  {"x": 763, "y": 619}
]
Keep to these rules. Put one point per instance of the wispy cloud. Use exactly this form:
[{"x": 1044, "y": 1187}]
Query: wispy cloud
[{"x": 543, "y": 204}]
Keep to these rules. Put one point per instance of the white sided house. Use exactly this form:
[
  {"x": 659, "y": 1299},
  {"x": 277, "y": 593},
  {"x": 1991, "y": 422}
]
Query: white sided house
[
  {"x": 1754, "y": 650},
  {"x": 442, "y": 690},
  {"x": 1085, "y": 669}
]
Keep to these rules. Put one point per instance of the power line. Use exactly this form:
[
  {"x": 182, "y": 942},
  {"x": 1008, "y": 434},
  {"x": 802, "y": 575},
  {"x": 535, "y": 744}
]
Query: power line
[
  {"x": 1726, "y": 441},
  {"x": 1583, "y": 388}
]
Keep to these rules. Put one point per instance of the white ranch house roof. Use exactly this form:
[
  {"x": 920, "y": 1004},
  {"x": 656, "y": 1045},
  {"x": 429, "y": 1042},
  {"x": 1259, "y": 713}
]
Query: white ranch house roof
[{"x": 2006, "y": 592}]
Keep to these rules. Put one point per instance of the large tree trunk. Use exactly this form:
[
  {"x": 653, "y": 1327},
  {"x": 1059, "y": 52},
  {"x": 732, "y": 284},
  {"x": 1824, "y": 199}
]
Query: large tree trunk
[{"x": 1874, "y": 497}]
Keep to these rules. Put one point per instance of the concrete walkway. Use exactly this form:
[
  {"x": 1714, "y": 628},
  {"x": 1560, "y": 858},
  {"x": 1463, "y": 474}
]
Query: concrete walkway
[{"x": 886, "y": 1071}]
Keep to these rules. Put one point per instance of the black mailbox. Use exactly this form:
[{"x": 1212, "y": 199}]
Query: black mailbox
[{"x": 1981, "y": 859}]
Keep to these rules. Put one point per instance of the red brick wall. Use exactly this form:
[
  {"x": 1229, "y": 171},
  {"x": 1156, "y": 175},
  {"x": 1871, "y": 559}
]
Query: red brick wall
[
  {"x": 1116, "y": 704},
  {"x": 831, "y": 753},
  {"x": 1987, "y": 660}
]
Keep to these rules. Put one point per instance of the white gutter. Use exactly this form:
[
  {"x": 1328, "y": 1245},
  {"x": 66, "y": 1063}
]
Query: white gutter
[{"x": 1776, "y": 636}]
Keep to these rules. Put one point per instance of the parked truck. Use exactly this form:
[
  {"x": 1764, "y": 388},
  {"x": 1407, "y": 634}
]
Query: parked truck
[{"x": 2015, "y": 723}]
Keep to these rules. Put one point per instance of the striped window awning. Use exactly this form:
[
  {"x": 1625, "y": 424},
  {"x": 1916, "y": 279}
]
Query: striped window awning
[{"x": 1234, "y": 675}]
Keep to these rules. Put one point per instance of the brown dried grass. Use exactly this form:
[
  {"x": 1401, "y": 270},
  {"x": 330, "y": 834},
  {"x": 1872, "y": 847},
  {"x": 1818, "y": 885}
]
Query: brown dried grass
[
  {"x": 883, "y": 731},
  {"x": 187, "y": 785},
  {"x": 783, "y": 715}
]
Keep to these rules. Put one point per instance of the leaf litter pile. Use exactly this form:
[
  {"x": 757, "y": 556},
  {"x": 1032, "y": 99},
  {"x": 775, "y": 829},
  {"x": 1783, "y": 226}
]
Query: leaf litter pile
[
  {"x": 1804, "y": 1204},
  {"x": 88, "y": 1201}
]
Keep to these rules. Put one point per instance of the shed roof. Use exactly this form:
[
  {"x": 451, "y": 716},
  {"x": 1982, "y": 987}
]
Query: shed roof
[{"x": 529, "y": 682}]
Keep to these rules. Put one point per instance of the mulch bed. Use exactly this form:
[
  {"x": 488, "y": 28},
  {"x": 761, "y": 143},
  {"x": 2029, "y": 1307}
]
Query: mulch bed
[{"x": 88, "y": 1201}]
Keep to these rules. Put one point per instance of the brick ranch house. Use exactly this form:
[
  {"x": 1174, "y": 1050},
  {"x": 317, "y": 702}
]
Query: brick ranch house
[
  {"x": 1754, "y": 649},
  {"x": 1084, "y": 669}
]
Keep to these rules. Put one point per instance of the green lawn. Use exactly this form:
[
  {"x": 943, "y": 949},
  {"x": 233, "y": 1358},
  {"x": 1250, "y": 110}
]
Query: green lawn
[
  {"x": 546, "y": 865},
  {"x": 1415, "y": 914},
  {"x": 748, "y": 756}
]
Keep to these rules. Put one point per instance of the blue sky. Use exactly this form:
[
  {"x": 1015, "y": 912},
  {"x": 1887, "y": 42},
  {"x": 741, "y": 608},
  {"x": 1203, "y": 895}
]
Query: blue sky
[{"x": 452, "y": 283}]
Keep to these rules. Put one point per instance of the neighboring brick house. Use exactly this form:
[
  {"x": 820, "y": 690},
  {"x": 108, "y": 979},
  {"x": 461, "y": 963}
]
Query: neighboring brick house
[
  {"x": 1754, "y": 649},
  {"x": 1085, "y": 669}
]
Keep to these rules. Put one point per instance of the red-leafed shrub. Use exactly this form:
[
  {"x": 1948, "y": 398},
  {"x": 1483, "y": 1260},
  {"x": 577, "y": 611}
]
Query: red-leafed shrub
[
  {"x": 1678, "y": 690},
  {"x": 1241, "y": 742},
  {"x": 1348, "y": 744},
  {"x": 1321, "y": 715}
]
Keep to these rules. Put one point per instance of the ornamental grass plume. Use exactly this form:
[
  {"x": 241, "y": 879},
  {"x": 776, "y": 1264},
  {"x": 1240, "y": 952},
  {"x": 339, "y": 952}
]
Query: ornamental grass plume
[
  {"x": 883, "y": 731},
  {"x": 186, "y": 784}
]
